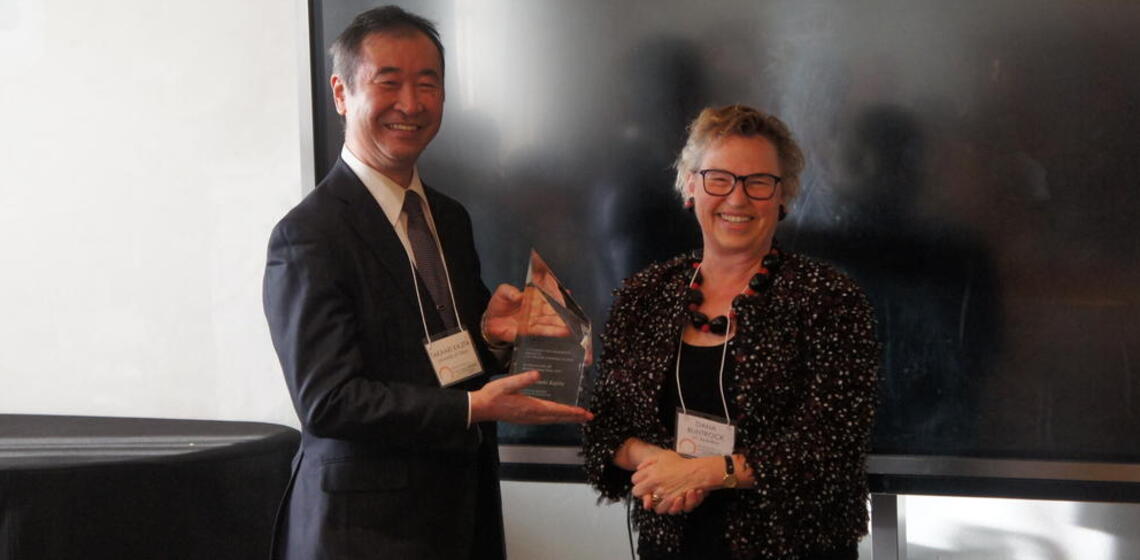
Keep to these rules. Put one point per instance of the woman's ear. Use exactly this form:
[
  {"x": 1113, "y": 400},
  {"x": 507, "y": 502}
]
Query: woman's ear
[
  {"x": 690, "y": 186},
  {"x": 687, "y": 200}
]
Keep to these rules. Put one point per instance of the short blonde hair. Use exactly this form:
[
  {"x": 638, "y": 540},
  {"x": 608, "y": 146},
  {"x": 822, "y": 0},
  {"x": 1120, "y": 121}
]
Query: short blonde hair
[{"x": 717, "y": 123}]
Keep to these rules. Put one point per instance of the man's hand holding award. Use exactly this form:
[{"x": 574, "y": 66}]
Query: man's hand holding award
[{"x": 552, "y": 338}]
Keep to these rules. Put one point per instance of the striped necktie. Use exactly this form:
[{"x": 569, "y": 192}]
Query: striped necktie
[{"x": 428, "y": 259}]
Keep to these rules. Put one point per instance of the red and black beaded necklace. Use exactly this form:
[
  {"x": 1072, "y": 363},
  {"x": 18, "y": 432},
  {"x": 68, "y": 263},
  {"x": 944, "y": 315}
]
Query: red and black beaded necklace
[{"x": 759, "y": 282}]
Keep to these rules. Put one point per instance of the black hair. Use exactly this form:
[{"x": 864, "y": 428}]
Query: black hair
[{"x": 345, "y": 50}]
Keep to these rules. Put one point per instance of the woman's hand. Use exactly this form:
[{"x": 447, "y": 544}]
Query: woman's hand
[{"x": 668, "y": 483}]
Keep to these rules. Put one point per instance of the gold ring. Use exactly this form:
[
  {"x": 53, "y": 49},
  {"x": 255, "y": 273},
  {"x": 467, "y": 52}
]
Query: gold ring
[{"x": 655, "y": 499}]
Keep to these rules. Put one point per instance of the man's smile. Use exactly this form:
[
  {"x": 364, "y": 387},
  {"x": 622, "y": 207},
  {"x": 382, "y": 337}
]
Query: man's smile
[{"x": 402, "y": 127}]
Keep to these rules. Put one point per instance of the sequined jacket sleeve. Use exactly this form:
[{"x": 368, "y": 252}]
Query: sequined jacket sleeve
[
  {"x": 805, "y": 414},
  {"x": 621, "y": 397}
]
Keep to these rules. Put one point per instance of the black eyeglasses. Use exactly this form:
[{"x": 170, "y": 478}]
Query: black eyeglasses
[{"x": 757, "y": 186}]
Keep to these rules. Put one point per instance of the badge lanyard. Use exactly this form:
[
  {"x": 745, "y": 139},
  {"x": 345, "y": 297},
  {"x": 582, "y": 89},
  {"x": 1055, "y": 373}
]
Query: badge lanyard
[
  {"x": 723, "y": 355},
  {"x": 699, "y": 434},
  {"x": 452, "y": 355},
  {"x": 446, "y": 277}
]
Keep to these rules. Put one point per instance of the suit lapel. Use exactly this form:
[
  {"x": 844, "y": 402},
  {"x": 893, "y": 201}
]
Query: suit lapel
[{"x": 369, "y": 222}]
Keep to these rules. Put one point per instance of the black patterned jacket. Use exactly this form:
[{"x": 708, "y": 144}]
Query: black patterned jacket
[{"x": 802, "y": 392}]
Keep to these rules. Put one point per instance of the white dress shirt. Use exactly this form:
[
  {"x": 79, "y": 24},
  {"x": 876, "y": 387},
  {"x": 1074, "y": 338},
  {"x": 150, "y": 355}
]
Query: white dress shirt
[{"x": 390, "y": 196}]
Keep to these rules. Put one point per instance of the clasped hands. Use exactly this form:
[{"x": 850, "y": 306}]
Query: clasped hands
[{"x": 668, "y": 483}]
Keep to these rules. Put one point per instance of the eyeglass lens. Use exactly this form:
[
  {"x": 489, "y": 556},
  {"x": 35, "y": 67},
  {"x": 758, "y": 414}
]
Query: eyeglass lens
[{"x": 721, "y": 183}]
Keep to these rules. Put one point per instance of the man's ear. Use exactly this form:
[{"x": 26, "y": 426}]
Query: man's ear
[{"x": 339, "y": 89}]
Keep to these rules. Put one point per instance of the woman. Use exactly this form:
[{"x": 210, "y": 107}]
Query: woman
[{"x": 765, "y": 359}]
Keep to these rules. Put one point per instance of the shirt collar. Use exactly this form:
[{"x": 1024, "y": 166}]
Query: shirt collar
[{"x": 388, "y": 193}]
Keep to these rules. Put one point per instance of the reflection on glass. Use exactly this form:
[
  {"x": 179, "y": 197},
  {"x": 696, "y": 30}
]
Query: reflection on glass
[{"x": 554, "y": 336}]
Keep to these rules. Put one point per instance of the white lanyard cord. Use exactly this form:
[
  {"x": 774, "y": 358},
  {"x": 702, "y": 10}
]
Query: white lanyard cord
[
  {"x": 419, "y": 304},
  {"x": 723, "y": 355}
]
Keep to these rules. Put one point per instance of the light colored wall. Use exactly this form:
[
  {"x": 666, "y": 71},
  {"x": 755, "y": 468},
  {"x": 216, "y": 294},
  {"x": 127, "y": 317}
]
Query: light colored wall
[
  {"x": 561, "y": 521},
  {"x": 146, "y": 149}
]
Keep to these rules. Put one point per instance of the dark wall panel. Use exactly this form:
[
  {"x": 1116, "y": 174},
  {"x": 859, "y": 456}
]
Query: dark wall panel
[{"x": 973, "y": 165}]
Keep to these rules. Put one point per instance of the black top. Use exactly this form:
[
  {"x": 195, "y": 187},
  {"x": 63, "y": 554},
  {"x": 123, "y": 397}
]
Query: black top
[
  {"x": 704, "y": 533},
  {"x": 700, "y": 367}
]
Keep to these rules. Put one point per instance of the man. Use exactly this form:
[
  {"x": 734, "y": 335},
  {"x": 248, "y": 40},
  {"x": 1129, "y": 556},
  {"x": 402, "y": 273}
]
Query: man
[{"x": 365, "y": 277}]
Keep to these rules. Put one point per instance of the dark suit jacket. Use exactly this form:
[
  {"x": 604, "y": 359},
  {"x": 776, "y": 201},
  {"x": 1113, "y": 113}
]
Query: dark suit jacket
[{"x": 387, "y": 467}]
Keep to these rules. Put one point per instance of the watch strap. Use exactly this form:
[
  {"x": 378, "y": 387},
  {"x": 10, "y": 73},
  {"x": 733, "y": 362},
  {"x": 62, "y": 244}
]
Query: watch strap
[{"x": 729, "y": 480}]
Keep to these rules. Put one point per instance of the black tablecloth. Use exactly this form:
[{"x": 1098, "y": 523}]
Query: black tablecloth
[{"x": 135, "y": 488}]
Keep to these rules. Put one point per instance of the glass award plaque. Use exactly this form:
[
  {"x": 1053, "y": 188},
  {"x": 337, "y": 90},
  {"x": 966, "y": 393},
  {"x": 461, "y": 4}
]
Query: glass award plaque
[{"x": 554, "y": 336}]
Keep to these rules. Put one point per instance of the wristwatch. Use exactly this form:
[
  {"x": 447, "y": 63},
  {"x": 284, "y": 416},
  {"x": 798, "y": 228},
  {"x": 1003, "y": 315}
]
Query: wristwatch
[{"x": 729, "y": 480}]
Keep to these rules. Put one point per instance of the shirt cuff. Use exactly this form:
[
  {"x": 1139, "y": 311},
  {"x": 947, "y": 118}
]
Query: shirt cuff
[
  {"x": 469, "y": 409},
  {"x": 502, "y": 350}
]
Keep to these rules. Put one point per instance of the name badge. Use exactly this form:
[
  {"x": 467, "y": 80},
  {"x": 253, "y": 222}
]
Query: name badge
[
  {"x": 703, "y": 435},
  {"x": 453, "y": 357}
]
